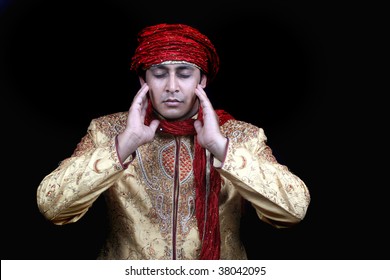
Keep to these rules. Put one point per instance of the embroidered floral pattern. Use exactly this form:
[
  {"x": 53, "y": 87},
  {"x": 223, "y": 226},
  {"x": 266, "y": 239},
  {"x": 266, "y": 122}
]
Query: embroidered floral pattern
[{"x": 140, "y": 197}]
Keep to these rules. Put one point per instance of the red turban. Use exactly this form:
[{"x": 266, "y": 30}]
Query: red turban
[{"x": 175, "y": 42}]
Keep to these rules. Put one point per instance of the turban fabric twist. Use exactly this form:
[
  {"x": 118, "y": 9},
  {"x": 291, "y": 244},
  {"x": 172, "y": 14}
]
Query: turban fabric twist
[{"x": 175, "y": 42}]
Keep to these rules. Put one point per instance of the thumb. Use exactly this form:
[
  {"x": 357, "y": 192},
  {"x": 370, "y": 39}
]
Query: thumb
[
  {"x": 154, "y": 124},
  {"x": 198, "y": 126}
]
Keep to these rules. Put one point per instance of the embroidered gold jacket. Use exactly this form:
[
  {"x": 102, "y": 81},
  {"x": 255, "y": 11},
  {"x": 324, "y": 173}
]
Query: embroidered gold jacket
[{"x": 149, "y": 218}]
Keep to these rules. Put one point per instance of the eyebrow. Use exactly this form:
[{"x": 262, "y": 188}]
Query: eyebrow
[{"x": 179, "y": 67}]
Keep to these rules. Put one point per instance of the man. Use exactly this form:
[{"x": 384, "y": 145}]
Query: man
[{"x": 174, "y": 171}]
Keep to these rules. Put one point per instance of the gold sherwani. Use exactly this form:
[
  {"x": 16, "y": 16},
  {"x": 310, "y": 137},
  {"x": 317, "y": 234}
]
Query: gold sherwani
[{"x": 151, "y": 199}]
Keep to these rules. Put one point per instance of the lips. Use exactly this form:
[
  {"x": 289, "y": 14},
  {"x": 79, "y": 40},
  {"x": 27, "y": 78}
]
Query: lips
[{"x": 172, "y": 102}]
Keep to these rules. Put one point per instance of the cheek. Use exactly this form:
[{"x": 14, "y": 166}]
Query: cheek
[
  {"x": 190, "y": 91},
  {"x": 153, "y": 96},
  {"x": 189, "y": 86},
  {"x": 154, "y": 84},
  {"x": 155, "y": 89}
]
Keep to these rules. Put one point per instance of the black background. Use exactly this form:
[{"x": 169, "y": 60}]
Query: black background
[{"x": 311, "y": 74}]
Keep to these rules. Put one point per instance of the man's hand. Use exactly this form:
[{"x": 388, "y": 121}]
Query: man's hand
[
  {"x": 209, "y": 134},
  {"x": 136, "y": 132}
]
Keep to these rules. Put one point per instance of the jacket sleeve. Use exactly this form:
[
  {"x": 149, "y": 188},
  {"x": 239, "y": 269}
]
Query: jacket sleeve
[
  {"x": 280, "y": 197},
  {"x": 66, "y": 194}
]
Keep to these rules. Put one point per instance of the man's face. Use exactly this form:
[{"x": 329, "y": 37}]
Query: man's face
[{"x": 172, "y": 89}]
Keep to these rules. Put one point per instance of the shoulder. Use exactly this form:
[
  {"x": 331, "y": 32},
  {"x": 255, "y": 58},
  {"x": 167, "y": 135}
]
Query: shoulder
[
  {"x": 241, "y": 130},
  {"x": 110, "y": 124}
]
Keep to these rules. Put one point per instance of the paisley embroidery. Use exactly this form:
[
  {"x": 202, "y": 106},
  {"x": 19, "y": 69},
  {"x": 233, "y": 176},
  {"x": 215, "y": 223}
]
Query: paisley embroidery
[{"x": 157, "y": 166}]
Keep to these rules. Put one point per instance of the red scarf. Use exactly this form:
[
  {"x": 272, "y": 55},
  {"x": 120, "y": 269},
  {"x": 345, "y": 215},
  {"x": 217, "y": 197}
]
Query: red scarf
[{"x": 208, "y": 223}]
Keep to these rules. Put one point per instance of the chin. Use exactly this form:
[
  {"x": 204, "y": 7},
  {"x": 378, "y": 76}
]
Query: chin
[
  {"x": 174, "y": 117},
  {"x": 173, "y": 114}
]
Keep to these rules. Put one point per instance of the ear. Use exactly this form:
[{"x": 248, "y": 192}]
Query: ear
[
  {"x": 141, "y": 80},
  {"x": 203, "y": 81}
]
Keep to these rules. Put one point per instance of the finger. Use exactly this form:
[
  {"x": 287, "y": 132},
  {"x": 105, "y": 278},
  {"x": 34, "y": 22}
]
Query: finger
[
  {"x": 202, "y": 95},
  {"x": 141, "y": 94},
  {"x": 199, "y": 91},
  {"x": 144, "y": 91},
  {"x": 204, "y": 100},
  {"x": 143, "y": 109}
]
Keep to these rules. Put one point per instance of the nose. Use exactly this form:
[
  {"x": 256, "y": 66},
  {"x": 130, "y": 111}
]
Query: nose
[{"x": 172, "y": 84}]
